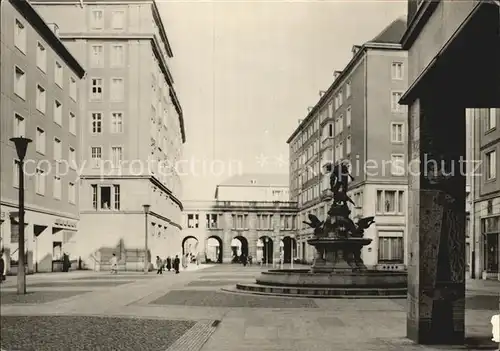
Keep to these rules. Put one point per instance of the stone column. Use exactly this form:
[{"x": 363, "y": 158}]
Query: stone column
[{"x": 436, "y": 262}]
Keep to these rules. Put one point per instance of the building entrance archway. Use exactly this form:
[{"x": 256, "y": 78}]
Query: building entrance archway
[
  {"x": 189, "y": 245},
  {"x": 289, "y": 248},
  {"x": 213, "y": 252},
  {"x": 266, "y": 244},
  {"x": 239, "y": 247}
]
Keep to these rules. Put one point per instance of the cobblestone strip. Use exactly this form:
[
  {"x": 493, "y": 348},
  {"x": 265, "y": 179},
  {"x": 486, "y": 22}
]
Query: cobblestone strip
[{"x": 196, "y": 337}]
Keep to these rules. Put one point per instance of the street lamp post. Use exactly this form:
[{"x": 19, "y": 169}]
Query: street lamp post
[
  {"x": 146, "y": 261},
  {"x": 21, "y": 147}
]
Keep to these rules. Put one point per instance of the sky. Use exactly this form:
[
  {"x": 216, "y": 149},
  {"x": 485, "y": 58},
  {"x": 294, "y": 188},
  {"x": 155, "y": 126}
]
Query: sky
[{"x": 245, "y": 72}]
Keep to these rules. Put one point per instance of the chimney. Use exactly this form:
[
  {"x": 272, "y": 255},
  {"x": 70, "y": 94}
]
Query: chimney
[
  {"x": 300, "y": 121},
  {"x": 355, "y": 49},
  {"x": 309, "y": 109},
  {"x": 321, "y": 93},
  {"x": 336, "y": 74},
  {"x": 54, "y": 27}
]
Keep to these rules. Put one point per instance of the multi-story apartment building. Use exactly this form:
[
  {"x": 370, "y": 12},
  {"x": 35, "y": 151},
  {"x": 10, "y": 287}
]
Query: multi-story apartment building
[
  {"x": 486, "y": 209},
  {"x": 262, "y": 228},
  {"x": 39, "y": 100},
  {"x": 254, "y": 187},
  {"x": 358, "y": 119},
  {"x": 132, "y": 125}
]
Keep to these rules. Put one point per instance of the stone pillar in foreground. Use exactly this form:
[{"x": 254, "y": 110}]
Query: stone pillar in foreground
[{"x": 436, "y": 257}]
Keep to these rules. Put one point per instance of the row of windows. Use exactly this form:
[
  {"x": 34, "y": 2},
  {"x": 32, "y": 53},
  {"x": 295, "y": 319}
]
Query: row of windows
[
  {"x": 116, "y": 91},
  {"x": 116, "y": 57},
  {"x": 96, "y": 156},
  {"x": 20, "y": 41},
  {"x": 97, "y": 122},
  {"x": 40, "y": 184},
  {"x": 41, "y": 142},
  {"x": 240, "y": 221},
  {"x": 97, "y": 19}
]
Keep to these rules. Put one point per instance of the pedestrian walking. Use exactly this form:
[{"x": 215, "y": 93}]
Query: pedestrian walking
[
  {"x": 177, "y": 262},
  {"x": 2, "y": 267},
  {"x": 169, "y": 263},
  {"x": 159, "y": 265},
  {"x": 114, "y": 264}
]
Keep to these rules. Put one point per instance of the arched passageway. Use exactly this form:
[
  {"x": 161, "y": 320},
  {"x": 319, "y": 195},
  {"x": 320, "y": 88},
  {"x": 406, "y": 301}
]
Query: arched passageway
[
  {"x": 289, "y": 248},
  {"x": 239, "y": 247},
  {"x": 190, "y": 245},
  {"x": 214, "y": 250},
  {"x": 265, "y": 249}
]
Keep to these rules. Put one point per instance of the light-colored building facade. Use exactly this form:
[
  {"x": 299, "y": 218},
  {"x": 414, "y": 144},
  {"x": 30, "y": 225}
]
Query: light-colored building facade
[
  {"x": 486, "y": 210},
  {"x": 358, "y": 119},
  {"x": 259, "y": 226},
  {"x": 132, "y": 124},
  {"x": 254, "y": 187},
  {"x": 250, "y": 212},
  {"x": 39, "y": 100}
]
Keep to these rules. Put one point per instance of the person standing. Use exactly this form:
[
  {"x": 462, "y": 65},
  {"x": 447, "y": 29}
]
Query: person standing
[
  {"x": 114, "y": 264},
  {"x": 177, "y": 262},
  {"x": 2, "y": 267},
  {"x": 159, "y": 265},
  {"x": 169, "y": 263}
]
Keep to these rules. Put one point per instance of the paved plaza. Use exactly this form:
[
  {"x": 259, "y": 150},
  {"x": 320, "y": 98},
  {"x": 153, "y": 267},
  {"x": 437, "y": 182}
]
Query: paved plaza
[{"x": 190, "y": 311}]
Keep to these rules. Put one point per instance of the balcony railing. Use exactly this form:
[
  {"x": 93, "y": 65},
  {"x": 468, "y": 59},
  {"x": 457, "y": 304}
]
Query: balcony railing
[{"x": 257, "y": 204}]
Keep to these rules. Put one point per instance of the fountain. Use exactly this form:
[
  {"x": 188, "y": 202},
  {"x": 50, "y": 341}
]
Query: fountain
[{"x": 338, "y": 269}]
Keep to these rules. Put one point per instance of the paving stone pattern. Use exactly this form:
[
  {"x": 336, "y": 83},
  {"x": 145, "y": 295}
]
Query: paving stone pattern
[
  {"x": 210, "y": 283},
  {"x": 115, "y": 277},
  {"x": 220, "y": 299},
  {"x": 36, "y": 297},
  {"x": 89, "y": 283},
  {"x": 194, "y": 338},
  {"x": 89, "y": 333}
]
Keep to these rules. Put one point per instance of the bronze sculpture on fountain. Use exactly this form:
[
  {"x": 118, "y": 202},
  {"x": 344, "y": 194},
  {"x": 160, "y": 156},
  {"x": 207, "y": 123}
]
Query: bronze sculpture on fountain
[{"x": 338, "y": 240}]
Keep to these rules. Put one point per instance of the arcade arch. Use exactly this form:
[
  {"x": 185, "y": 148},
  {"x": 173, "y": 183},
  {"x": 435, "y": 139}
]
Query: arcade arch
[
  {"x": 239, "y": 247},
  {"x": 190, "y": 245},
  {"x": 265, "y": 249},
  {"x": 289, "y": 248},
  {"x": 213, "y": 250}
]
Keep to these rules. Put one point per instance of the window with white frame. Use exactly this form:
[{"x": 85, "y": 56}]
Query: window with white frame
[
  {"x": 97, "y": 56},
  {"x": 395, "y": 97},
  {"x": 116, "y": 122},
  {"x": 348, "y": 116},
  {"x": 118, "y": 19},
  {"x": 72, "y": 123},
  {"x": 72, "y": 158},
  {"x": 117, "y": 89},
  {"x": 57, "y": 150},
  {"x": 106, "y": 197},
  {"x": 19, "y": 126},
  {"x": 96, "y": 89},
  {"x": 341, "y": 98},
  {"x": 348, "y": 89},
  {"x": 15, "y": 174},
  {"x": 58, "y": 74},
  {"x": 96, "y": 122},
  {"x": 72, "y": 88},
  {"x": 491, "y": 118},
  {"x": 40, "y": 98},
  {"x": 397, "y": 70},
  {"x": 397, "y": 132},
  {"x": 390, "y": 202},
  {"x": 390, "y": 247},
  {"x": 397, "y": 165},
  {"x": 341, "y": 151},
  {"x": 96, "y": 156},
  {"x": 348, "y": 145},
  {"x": 491, "y": 165},
  {"x": 211, "y": 221},
  {"x": 341, "y": 124},
  {"x": 193, "y": 220},
  {"x": 41, "y": 57},
  {"x": 117, "y": 55},
  {"x": 97, "y": 19},
  {"x": 57, "y": 187},
  {"x": 117, "y": 155},
  {"x": 240, "y": 221},
  {"x": 40, "y": 181},
  {"x": 71, "y": 193},
  {"x": 40, "y": 140},
  {"x": 58, "y": 112},
  {"x": 20, "y": 83},
  {"x": 20, "y": 36}
]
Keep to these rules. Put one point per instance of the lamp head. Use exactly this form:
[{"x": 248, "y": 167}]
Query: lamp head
[
  {"x": 21, "y": 144},
  {"x": 146, "y": 208}
]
